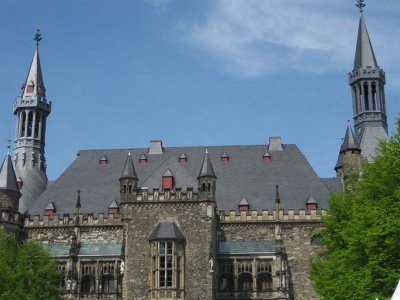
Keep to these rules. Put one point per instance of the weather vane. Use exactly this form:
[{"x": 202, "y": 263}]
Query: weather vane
[
  {"x": 360, "y": 4},
  {"x": 38, "y": 37}
]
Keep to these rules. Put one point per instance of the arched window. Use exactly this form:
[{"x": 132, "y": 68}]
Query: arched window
[
  {"x": 23, "y": 116},
  {"x": 264, "y": 281},
  {"x": 366, "y": 96},
  {"x": 226, "y": 283},
  {"x": 87, "y": 284},
  {"x": 30, "y": 124},
  {"x": 107, "y": 283},
  {"x": 245, "y": 282},
  {"x": 37, "y": 124}
]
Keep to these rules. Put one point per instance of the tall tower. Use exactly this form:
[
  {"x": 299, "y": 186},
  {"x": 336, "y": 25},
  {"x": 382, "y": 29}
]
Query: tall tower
[
  {"x": 31, "y": 110},
  {"x": 367, "y": 81}
]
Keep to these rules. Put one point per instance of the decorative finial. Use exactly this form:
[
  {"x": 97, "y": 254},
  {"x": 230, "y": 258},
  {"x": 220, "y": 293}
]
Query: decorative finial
[
  {"x": 206, "y": 149},
  {"x": 360, "y": 4},
  {"x": 8, "y": 146},
  {"x": 277, "y": 198},
  {"x": 78, "y": 200},
  {"x": 38, "y": 36}
]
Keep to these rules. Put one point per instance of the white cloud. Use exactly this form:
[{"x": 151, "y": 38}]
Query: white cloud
[
  {"x": 157, "y": 3},
  {"x": 249, "y": 38}
]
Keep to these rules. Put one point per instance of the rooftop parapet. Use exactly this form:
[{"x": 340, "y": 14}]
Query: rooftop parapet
[
  {"x": 177, "y": 194},
  {"x": 29, "y": 101},
  {"x": 11, "y": 216},
  {"x": 72, "y": 220},
  {"x": 271, "y": 216},
  {"x": 366, "y": 73}
]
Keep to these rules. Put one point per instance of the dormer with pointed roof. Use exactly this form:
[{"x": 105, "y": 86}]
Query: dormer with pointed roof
[
  {"x": 367, "y": 81},
  {"x": 31, "y": 109},
  {"x": 128, "y": 180},
  {"x": 207, "y": 178}
]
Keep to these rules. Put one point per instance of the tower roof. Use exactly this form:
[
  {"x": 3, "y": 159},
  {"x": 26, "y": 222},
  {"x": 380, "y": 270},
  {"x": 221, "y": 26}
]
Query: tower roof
[
  {"x": 364, "y": 56},
  {"x": 349, "y": 142},
  {"x": 129, "y": 169},
  {"x": 206, "y": 168},
  {"x": 8, "y": 180},
  {"x": 34, "y": 78}
]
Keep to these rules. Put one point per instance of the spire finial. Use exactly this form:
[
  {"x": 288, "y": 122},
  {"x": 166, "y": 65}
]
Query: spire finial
[
  {"x": 360, "y": 4},
  {"x": 206, "y": 149},
  {"x": 8, "y": 146},
  {"x": 38, "y": 36}
]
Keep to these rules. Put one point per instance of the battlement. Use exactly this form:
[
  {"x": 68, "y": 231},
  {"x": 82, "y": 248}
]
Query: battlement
[
  {"x": 32, "y": 102},
  {"x": 177, "y": 194},
  {"x": 254, "y": 216},
  {"x": 366, "y": 73},
  {"x": 100, "y": 219}
]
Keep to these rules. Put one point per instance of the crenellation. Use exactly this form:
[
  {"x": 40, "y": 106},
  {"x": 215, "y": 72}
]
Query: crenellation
[
  {"x": 67, "y": 220},
  {"x": 265, "y": 215}
]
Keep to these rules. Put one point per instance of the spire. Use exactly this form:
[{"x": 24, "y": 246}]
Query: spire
[
  {"x": 364, "y": 56},
  {"x": 206, "y": 168},
  {"x": 349, "y": 142},
  {"x": 8, "y": 180},
  {"x": 129, "y": 169},
  {"x": 34, "y": 85}
]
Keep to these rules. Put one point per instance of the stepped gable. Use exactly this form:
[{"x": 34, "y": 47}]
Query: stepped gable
[{"x": 245, "y": 174}]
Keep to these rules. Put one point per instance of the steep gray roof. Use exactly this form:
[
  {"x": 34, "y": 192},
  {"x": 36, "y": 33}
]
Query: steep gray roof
[
  {"x": 207, "y": 169},
  {"x": 245, "y": 174},
  {"x": 364, "y": 56},
  {"x": 167, "y": 230},
  {"x": 129, "y": 169},
  {"x": 349, "y": 142},
  {"x": 8, "y": 180}
]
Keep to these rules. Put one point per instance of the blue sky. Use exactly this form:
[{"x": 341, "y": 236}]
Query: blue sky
[{"x": 194, "y": 72}]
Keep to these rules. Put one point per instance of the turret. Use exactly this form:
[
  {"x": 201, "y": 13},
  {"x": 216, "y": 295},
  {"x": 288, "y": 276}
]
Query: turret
[
  {"x": 10, "y": 218},
  {"x": 367, "y": 81},
  {"x": 128, "y": 180},
  {"x": 350, "y": 159},
  {"x": 31, "y": 110},
  {"x": 207, "y": 179}
]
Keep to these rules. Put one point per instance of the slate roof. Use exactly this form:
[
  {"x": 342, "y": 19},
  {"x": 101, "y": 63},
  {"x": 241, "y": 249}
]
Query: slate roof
[
  {"x": 349, "y": 142},
  {"x": 365, "y": 56},
  {"x": 246, "y": 247},
  {"x": 8, "y": 180},
  {"x": 246, "y": 173},
  {"x": 167, "y": 230}
]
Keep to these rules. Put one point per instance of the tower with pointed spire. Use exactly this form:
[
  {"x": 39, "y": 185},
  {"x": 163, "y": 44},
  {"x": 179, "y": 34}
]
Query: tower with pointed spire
[
  {"x": 367, "y": 81},
  {"x": 207, "y": 179},
  {"x": 31, "y": 109},
  {"x": 10, "y": 218},
  {"x": 128, "y": 180},
  {"x": 350, "y": 159}
]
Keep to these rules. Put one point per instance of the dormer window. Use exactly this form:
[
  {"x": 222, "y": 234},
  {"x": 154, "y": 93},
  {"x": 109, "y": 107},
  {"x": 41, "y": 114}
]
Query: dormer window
[
  {"x": 183, "y": 158},
  {"x": 225, "y": 157},
  {"x": 244, "y": 205},
  {"x": 168, "y": 180},
  {"x": 113, "y": 208},
  {"x": 103, "y": 160},
  {"x": 266, "y": 156},
  {"x": 20, "y": 183},
  {"x": 49, "y": 210},
  {"x": 30, "y": 87},
  {"x": 143, "y": 159},
  {"x": 311, "y": 204}
]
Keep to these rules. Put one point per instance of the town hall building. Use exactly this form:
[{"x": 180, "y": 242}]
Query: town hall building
[{"x": 164, "y": 222}]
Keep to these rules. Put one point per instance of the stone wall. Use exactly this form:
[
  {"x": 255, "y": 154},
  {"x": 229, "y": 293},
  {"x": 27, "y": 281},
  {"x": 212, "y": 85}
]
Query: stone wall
[
  {"x": 296, "y": 237},
  {"x": 197, "y": 221}
]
